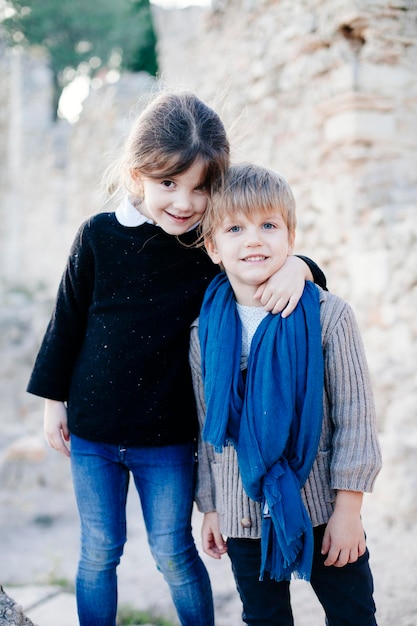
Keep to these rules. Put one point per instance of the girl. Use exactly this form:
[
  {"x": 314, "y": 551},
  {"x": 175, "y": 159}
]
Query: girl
[{"x": 113, "y": 365}]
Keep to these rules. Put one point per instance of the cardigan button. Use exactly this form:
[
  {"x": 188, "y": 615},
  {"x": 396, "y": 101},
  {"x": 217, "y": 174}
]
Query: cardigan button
[{"x": 246, "y": 522}]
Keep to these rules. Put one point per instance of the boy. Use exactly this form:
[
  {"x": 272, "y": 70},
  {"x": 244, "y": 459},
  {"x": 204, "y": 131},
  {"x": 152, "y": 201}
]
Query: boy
[{"x": 288, "y": 410}]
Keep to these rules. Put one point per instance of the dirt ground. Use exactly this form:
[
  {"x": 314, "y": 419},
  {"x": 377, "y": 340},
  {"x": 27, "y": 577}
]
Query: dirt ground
[{"x": 39, "y": 544}]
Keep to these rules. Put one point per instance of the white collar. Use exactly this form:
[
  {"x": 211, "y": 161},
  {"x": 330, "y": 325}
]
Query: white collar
[{"x": 128, "y": 215}]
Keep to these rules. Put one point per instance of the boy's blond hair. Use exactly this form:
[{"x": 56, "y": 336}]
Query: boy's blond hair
[{"x": 249, "y": 189}]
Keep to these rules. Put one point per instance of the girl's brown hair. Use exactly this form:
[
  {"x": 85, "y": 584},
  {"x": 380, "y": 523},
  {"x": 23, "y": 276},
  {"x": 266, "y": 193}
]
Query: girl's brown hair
[{"x": 172, "y": 132}]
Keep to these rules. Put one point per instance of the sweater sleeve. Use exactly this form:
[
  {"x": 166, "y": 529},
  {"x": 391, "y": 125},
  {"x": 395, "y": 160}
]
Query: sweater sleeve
[
  {"x": 355, "y": 452},
  {"x": 52, "y": 371},
  {"x": 318, "y": 274},
  {"x": 205, "y": 484}
]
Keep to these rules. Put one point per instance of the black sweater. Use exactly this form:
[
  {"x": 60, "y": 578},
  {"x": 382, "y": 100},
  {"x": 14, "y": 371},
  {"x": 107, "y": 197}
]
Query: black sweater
[{"x": 116, "y": 347}]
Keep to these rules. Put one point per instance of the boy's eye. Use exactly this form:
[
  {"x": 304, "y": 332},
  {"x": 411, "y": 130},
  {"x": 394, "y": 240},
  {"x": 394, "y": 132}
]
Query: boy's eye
[
  {"x": 166, "y": 183},
  {"x": 234, "y": 229},
  {"x": 268, "y": 226}
]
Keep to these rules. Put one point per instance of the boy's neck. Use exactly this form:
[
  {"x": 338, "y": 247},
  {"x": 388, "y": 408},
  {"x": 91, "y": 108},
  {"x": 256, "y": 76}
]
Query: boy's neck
[{"x": 245, "y": 294}]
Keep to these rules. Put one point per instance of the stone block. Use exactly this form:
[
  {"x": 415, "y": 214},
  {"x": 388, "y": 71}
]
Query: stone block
[{"x": 361, "y": 126}]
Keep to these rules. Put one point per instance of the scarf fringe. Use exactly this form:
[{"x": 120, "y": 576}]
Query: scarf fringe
[{"x": 283, "y": 557}]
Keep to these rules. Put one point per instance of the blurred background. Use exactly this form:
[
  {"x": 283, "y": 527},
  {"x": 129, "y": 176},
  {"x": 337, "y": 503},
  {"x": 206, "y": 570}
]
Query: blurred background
[{"x": 326, "y": 93}]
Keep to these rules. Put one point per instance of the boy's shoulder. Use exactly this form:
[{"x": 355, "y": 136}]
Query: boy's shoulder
[
  {"x": 330, "y": 301},
  {"x": 333, "y": 309},
  {"x": 330, "y": 305},
  {"x": 194, "y": 327}
]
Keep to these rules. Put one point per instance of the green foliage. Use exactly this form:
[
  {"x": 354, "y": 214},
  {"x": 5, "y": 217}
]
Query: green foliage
[
  {"x": 132, "y": 617},
  {"x": 85, "y": 36},
  {"x": 141, "y": 54}
]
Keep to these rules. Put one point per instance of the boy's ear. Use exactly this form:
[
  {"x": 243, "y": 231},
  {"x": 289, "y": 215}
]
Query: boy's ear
[
  {"x": 291, "y": 242},
  {"x": 212, "y": 251}
]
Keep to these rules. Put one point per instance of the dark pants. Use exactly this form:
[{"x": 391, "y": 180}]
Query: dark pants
[{"x": 344, "y": 592}]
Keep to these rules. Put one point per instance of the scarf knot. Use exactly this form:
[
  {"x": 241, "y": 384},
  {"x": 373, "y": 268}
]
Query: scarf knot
[{"x": 273, "y": 420}]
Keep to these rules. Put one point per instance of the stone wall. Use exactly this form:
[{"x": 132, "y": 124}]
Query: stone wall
[
  {"x": 325, "y": 92},
  {"x": 50, "y": 176}
]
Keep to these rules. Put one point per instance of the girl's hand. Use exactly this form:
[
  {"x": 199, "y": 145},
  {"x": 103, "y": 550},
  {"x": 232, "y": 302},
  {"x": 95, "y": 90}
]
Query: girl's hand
[
  {"x": 55, "y": 426},
  {"x": 282, "y": 291},
  {"x": 213, "y": 543},
  {"x": 344, "y": 537}
]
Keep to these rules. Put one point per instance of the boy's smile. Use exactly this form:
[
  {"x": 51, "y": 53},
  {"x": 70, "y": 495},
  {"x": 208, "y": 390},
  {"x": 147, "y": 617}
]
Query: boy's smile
[
  {"x": 176, "y": 203},
  {"x": 250, "y": 250}
]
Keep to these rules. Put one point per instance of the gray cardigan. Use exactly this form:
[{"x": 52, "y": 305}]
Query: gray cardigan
[{"x": 348, "y": 456}]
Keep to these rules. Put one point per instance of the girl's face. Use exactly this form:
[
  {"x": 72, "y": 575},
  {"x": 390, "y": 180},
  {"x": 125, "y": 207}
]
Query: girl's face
[{"x": 176, "y": 204}]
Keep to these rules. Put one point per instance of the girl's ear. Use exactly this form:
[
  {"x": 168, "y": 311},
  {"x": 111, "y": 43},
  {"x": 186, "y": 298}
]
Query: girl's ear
[
  {"x": 212, "y": 251},
  {"x": 135, "y": 174},
  {"x": 137, "y": 180}
]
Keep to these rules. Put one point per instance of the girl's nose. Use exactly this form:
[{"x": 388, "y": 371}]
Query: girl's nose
[{"x": 182, "y": 201}]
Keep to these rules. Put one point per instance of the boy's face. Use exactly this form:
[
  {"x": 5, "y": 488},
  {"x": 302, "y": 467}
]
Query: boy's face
[
  {"x": 250, "y": 250},
  {"x": 176, "y": 204}
]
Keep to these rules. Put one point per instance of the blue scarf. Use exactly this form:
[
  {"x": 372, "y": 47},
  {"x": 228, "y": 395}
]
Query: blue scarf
[{"x": 274, "y": 420}]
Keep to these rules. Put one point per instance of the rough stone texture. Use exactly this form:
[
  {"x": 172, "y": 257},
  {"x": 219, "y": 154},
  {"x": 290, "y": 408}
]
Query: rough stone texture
[
  {"x": 325, "y": 92},
  {"x": 11, "y": 614}
]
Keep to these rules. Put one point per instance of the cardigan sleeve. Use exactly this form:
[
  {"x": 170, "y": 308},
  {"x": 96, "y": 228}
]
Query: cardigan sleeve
[
  {"x": 205, "y": 484},
  {"x": 355, "y": 451},
  {"x": 51, "y": 374}
]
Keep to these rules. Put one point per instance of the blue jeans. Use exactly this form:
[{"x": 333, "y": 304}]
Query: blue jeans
[
  {"x": 344, "y": 592},
  {"x": 164, "y": 479}
]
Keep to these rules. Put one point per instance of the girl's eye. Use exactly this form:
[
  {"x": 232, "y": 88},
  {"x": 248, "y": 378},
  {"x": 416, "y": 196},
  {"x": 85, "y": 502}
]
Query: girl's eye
[
  {"x": 201, "y": 187},
  {"x": 234, "y": 229},
  {"x": 167, "y": 183},
  {"x": 268, "y": 226}
]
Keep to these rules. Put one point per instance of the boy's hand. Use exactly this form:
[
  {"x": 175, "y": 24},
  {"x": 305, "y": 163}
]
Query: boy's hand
[
  {"x": 55, "y": 426},
  {"x": 213, "y": 543},
  {"x": 344, "y": 537},
  {"x": 282, "y": 291}
]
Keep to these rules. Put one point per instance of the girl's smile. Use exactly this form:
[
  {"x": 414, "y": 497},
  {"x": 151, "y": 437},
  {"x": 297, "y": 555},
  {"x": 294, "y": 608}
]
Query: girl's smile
[{"x": 178, "y": 218}]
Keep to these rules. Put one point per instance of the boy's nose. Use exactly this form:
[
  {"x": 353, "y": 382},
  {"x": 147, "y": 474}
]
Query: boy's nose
[{"x": 252, "y": 239}]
